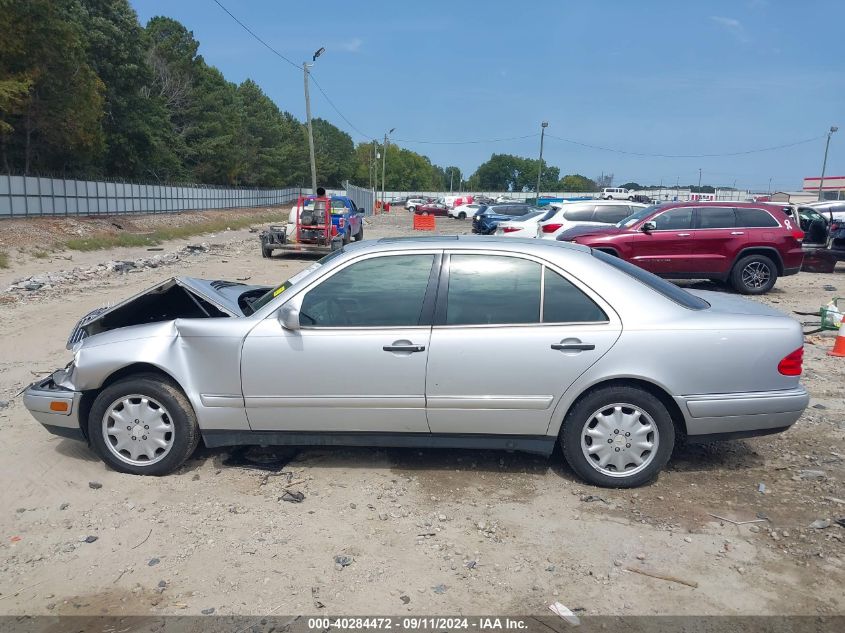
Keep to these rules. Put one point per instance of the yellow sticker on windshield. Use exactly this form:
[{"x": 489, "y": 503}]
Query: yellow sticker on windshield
[{"x": 279, "y": 290}]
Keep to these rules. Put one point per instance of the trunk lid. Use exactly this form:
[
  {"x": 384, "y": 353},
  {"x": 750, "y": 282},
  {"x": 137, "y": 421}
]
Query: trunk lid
[{"x": 732, "y": 304}]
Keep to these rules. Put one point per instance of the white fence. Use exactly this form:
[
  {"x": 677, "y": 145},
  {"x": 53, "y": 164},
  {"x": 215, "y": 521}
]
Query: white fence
[{"x": 32, "y": 196}]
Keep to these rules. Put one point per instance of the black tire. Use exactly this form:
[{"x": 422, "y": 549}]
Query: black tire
[
  {"x": 631, "y": 198},
  {"x": 579, "y": 416},
  {"x": 347, "y": 236},
  {"x": 462, "y": 216},
  {"x": 412, "y": 209},
  {"x": 360, "y": 234},
  {"x": 266, "y": 252},
  {"x": 185, "y": 434},
  {"x": 754, "y": 275}
]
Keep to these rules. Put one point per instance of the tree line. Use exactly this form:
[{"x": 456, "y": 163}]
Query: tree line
[{"x": 86, "y": 91}]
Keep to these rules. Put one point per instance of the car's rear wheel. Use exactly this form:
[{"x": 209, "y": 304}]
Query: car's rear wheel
[
  {"x": 618, "y": 437},
  {"x": 360, "y": 234},
  {"x": 347, "y": 236},
  {"x": 143, "y": 425},
  {"x": 266, "y": 252},
  {"x": 462, "y": 216},
  {"x": 754, "y": 275}
]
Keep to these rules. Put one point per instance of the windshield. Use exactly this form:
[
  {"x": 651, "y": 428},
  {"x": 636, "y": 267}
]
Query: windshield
[
  {"x": 636, "y": 217},
  {"x": 268, "y": 296}
]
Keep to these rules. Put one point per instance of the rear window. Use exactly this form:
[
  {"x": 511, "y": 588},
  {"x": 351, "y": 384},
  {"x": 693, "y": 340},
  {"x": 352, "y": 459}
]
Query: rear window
[
  {"x": 751, "y": 218},
  {"x": 580, "y": 213},
  {"x": 658, "y": 284},
  {"x": 611, "y": 213}
]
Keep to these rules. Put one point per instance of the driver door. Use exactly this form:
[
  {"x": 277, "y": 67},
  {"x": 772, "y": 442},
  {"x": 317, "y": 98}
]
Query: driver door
[{"x": 357, "y": 362}]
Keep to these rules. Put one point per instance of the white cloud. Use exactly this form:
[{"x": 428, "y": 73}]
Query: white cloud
[
  {"x": 732, "y": 26},
  {"x": 350, "y": 46}
]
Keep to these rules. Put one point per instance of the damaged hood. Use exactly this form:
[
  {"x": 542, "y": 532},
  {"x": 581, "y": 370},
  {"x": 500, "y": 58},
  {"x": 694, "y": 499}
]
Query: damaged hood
[{"x": 178, "y": 297}]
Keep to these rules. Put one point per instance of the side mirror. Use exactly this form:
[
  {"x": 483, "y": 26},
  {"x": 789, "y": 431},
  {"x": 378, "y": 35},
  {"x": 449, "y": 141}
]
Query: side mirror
[
  {"x": 289, "y": 317},
  {"x": 648, "y": 227}
]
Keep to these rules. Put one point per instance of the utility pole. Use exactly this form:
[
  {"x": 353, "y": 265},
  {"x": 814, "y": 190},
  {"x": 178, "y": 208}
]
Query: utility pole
[
  {"x": 833, "y": 129},
  {"x": 451, "y": 175},
  {"x": 543, "y": 127},
  {"x": 770, "y": 186},
  {"x": 699, "y": 180},
  {"x": 306, "y": 67},
  {"x": 384, "y": 165}
]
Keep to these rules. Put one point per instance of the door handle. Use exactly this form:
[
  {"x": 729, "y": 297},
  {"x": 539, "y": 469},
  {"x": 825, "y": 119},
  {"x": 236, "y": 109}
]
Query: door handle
[
  {"x": 573, "y": 347},
  {"x": 407, "y": 347},
  {"x": 737, "y": 233},
  {"x": 683, "y": 234}
]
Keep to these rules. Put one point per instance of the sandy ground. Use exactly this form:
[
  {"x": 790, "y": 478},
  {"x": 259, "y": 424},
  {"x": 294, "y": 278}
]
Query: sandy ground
[{"x": 441, "y": 532}]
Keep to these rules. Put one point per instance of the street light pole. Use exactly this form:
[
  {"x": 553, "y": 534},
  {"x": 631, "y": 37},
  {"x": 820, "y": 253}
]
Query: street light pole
[
  {"x": 543, "y": 127},
  {"x": 384, "y": 165},
  {"x": 306, "y": 67},
  {"x": 699, "y": 180},
  {"x": 833, "y": 129}
]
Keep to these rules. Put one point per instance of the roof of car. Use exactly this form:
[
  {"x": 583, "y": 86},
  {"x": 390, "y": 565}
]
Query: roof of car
[{"x": 472, "y": 241}]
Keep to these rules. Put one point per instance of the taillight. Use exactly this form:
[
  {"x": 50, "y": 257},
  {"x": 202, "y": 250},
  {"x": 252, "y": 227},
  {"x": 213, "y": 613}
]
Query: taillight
[
  {"x": 834, "y": 226},
  {"x": 798, "y": 234},
  {"x": 551, "y": 228},
  {"x": 790, "y": 365},
  {"x": 509, "y": 229},
  {"x": 334, "y": 230}
]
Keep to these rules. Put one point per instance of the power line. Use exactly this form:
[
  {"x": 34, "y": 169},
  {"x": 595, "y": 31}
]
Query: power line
[
  {"x": 485, "y": 140},
  {"x": 248, "y": 30},
  {"x": 644, "y": 154},
  {"x": 342, "y": 116}
]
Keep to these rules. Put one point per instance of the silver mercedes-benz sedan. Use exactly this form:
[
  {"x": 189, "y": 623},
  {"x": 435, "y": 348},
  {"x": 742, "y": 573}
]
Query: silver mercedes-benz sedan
[{"x": 435, "y": 342}]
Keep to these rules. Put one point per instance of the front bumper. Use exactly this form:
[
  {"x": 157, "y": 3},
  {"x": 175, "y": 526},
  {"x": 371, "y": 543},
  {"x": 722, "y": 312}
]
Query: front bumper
[
  {"x": 735, "y": 413},
  {"x": 45, "y": 401}
]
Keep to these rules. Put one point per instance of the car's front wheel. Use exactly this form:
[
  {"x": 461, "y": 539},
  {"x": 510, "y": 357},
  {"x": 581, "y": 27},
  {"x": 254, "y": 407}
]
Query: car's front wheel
[
  {"x": 754, "y": 275},
  {"x": 618, "y": 437},
  {"x": 143, "y": 425}
]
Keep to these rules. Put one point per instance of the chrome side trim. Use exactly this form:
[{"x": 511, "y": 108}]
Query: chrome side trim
[
  {"x": 336, "y": 402},
  {"x": 234, "y": 402},
  {"x": 489, "y": 402}
]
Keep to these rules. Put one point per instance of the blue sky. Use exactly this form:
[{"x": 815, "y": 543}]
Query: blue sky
[{"x": 659, "y": 77}]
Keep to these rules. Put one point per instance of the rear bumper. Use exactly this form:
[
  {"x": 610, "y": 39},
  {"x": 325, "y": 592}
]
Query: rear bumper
[
  {"x": 732, "y": 413},
  {"x": 39, "y": 396}
]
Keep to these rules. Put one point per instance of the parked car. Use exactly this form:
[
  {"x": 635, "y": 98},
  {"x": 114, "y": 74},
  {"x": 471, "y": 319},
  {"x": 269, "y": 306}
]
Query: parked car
[
  {"x": 594, "y": 212},
  {"x": 465, "y": 210},
  {"x": 432, "y": 208},
  {"x": 413, "y": 203},
  {"x": 485, "y": 221},
  {"x": 616, "y": 193},
  {"x": 744, "y": 243},
  {"x": 524, "y": 226},
  {"x": 513, "y": 345}
]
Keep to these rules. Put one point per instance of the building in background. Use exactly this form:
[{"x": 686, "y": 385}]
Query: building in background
[{"x": 833, "y": 189}]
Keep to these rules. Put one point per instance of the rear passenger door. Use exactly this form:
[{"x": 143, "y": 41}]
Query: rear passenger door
[
  {"x": 510, "y": 336},
  {"x": 717, "y": 240}
]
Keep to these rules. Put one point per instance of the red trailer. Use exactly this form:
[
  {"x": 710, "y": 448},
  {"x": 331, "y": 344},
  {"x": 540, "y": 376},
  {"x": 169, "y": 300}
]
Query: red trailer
[{"x": 313, "y": 232}]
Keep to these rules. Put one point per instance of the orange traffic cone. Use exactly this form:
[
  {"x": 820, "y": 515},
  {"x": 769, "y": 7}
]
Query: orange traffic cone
[{"x": 839, "y": 343}]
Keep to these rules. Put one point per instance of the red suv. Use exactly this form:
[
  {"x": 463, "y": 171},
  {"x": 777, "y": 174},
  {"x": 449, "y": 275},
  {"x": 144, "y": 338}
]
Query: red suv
[{"x": 747, "y": 244}]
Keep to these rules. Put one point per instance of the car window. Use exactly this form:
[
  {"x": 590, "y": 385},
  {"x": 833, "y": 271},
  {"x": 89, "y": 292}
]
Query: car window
[
  {"x": 550, "y": 214},
  {"x": 579, "y": 213},
  {"x": 611, "y": 213},
  {"x": 338, "y": 206},
  {"x": 564, "y": 303},
  {"x": 716, "y": 218},
  {"x": 636, "y": 216},
  {"x": 492, "y": 289},
  {"x": 751, "y": 218},
  {"x": 658, "y": 284},
  {"x": 381, "y": 291},
  {"x": 674, "y": 219}
]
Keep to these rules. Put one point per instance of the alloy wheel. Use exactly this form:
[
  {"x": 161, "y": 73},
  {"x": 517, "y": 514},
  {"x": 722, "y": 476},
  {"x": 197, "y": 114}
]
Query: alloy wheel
[
  {"x": 619, "y": 440},
  {"x": 138, "y": 430}
]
